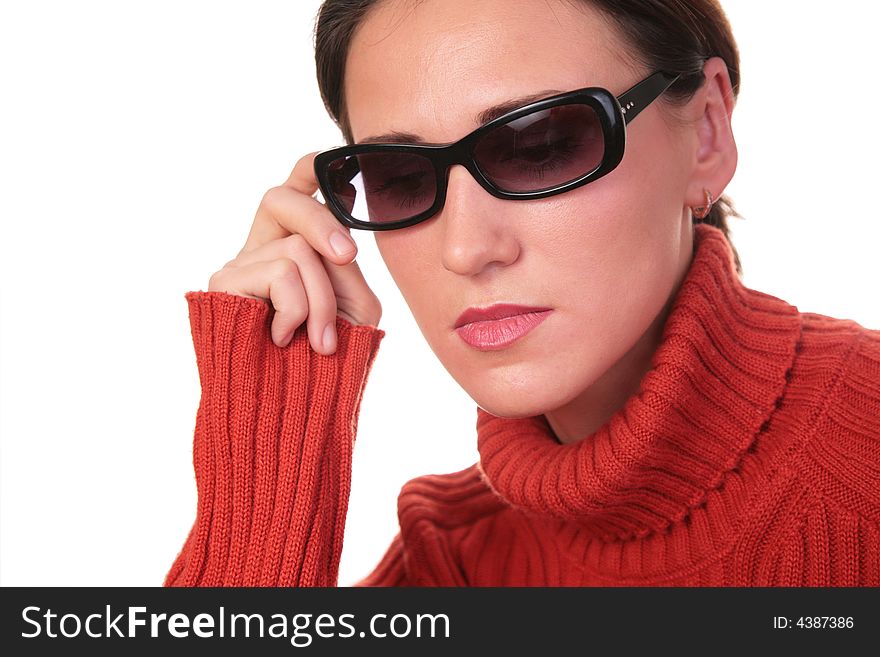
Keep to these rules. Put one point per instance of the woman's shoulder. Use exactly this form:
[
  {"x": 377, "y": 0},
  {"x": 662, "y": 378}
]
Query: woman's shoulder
[
  {"x": 838, "y": 368},
  {"x": 819, "y": 322},
  {"x": 848, "y": 346},
  {"x": 838, "y": 362}
]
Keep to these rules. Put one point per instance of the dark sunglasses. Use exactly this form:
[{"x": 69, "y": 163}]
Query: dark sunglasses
[{"x": 544, "y": 148}]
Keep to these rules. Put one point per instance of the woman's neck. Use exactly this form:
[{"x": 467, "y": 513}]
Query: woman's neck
[{"x": 593, "y": 407}]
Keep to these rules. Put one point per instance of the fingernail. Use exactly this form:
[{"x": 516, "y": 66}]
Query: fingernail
[
  {"x": 329, "y": 338},
  {"x": 342, "y": 244}
]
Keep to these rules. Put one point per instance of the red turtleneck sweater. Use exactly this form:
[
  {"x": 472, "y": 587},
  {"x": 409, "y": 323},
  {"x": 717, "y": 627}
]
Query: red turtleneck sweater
[{"x": 749, "y": 456}]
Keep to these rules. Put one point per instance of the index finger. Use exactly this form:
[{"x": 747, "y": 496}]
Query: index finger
[
  {"x": 302, "y": 178},
  {"x": 291, "y": 202}
]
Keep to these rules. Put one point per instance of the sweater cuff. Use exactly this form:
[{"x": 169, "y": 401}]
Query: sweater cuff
[{"x": 272, "y": 448}]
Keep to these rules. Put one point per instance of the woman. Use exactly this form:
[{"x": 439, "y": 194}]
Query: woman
[{"x": 644, "y": 418}]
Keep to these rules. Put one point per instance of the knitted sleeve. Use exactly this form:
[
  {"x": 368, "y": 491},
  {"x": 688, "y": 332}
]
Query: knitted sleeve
[{"x": 272, "y": 447}]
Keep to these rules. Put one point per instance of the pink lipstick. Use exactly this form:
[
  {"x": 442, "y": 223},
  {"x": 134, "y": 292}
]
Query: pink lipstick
[{"x": 498, "y": 326}]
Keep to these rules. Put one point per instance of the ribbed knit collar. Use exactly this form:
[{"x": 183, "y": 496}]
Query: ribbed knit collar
[{"x": 716, "y": 378}]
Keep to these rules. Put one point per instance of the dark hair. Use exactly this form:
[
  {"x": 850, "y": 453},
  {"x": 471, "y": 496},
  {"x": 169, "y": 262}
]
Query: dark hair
[{"x": 676, "y": 36}]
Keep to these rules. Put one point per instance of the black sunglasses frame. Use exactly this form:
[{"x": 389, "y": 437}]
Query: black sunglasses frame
[{"x": 614, "y": 114}]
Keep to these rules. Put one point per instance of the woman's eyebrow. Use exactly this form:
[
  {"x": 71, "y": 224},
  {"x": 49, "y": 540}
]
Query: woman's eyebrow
[
  {"x": 488, "y": 114},
  {"x": 495, "y": 111}
]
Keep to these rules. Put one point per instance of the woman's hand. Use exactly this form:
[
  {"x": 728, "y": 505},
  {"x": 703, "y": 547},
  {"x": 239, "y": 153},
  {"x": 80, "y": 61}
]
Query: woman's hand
[{"x": 301, "y": 258}]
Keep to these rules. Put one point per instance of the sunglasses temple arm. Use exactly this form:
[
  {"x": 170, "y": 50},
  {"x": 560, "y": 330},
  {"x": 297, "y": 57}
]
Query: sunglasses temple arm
[{"x": 634, "y": 100}]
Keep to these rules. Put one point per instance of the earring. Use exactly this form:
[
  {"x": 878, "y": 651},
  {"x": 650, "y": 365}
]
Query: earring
[{"x": 703, "y": 211}]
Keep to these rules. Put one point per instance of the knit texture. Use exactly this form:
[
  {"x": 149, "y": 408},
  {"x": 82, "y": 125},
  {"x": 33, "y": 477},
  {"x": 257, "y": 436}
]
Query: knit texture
[
  {"x": 272, "y": 448},
  {"x": 749, "y": 456}
]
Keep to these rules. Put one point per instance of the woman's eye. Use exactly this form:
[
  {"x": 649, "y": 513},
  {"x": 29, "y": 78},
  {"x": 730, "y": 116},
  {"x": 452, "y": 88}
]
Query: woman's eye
[
  {"x": 402, "y": 183},
  {"x": 536, "y": 154},
  {"x": 543, "y": 152}
]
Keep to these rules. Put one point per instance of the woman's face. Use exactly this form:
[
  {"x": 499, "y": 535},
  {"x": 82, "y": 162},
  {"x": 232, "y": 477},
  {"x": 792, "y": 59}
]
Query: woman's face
[{"x": 604, "y": 257}]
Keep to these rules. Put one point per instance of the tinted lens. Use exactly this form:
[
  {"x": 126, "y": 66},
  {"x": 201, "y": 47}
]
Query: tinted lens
[
  {"x": 542, "y": 150},
  {"x": 383, "y": 187}
]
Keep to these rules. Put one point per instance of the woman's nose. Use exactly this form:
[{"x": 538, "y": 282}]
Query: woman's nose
[{"x": 477, "y": 229}]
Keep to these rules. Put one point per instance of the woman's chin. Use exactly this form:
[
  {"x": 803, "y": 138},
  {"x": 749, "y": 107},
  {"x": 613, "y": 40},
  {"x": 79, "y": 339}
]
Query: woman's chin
[
  {"x": 513, "y": 404},
  {"x": 518, "y": 390}
]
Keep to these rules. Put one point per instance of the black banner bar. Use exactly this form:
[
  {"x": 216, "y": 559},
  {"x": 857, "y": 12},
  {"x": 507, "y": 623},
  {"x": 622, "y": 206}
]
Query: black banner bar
[{"x": 431, "y": 621}]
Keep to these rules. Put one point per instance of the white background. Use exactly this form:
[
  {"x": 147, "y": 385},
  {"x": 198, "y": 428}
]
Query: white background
[{"x": 136, "y": 141}]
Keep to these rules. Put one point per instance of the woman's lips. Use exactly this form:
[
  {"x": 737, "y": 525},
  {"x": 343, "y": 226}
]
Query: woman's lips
[{"x": 495, "y": 334}]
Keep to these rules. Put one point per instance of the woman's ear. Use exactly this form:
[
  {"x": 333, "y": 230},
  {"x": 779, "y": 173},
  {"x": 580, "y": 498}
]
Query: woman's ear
[{"x": 715, "y": 155}]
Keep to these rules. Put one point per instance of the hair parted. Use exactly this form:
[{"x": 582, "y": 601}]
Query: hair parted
[{"x": 676, "y": 36}]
